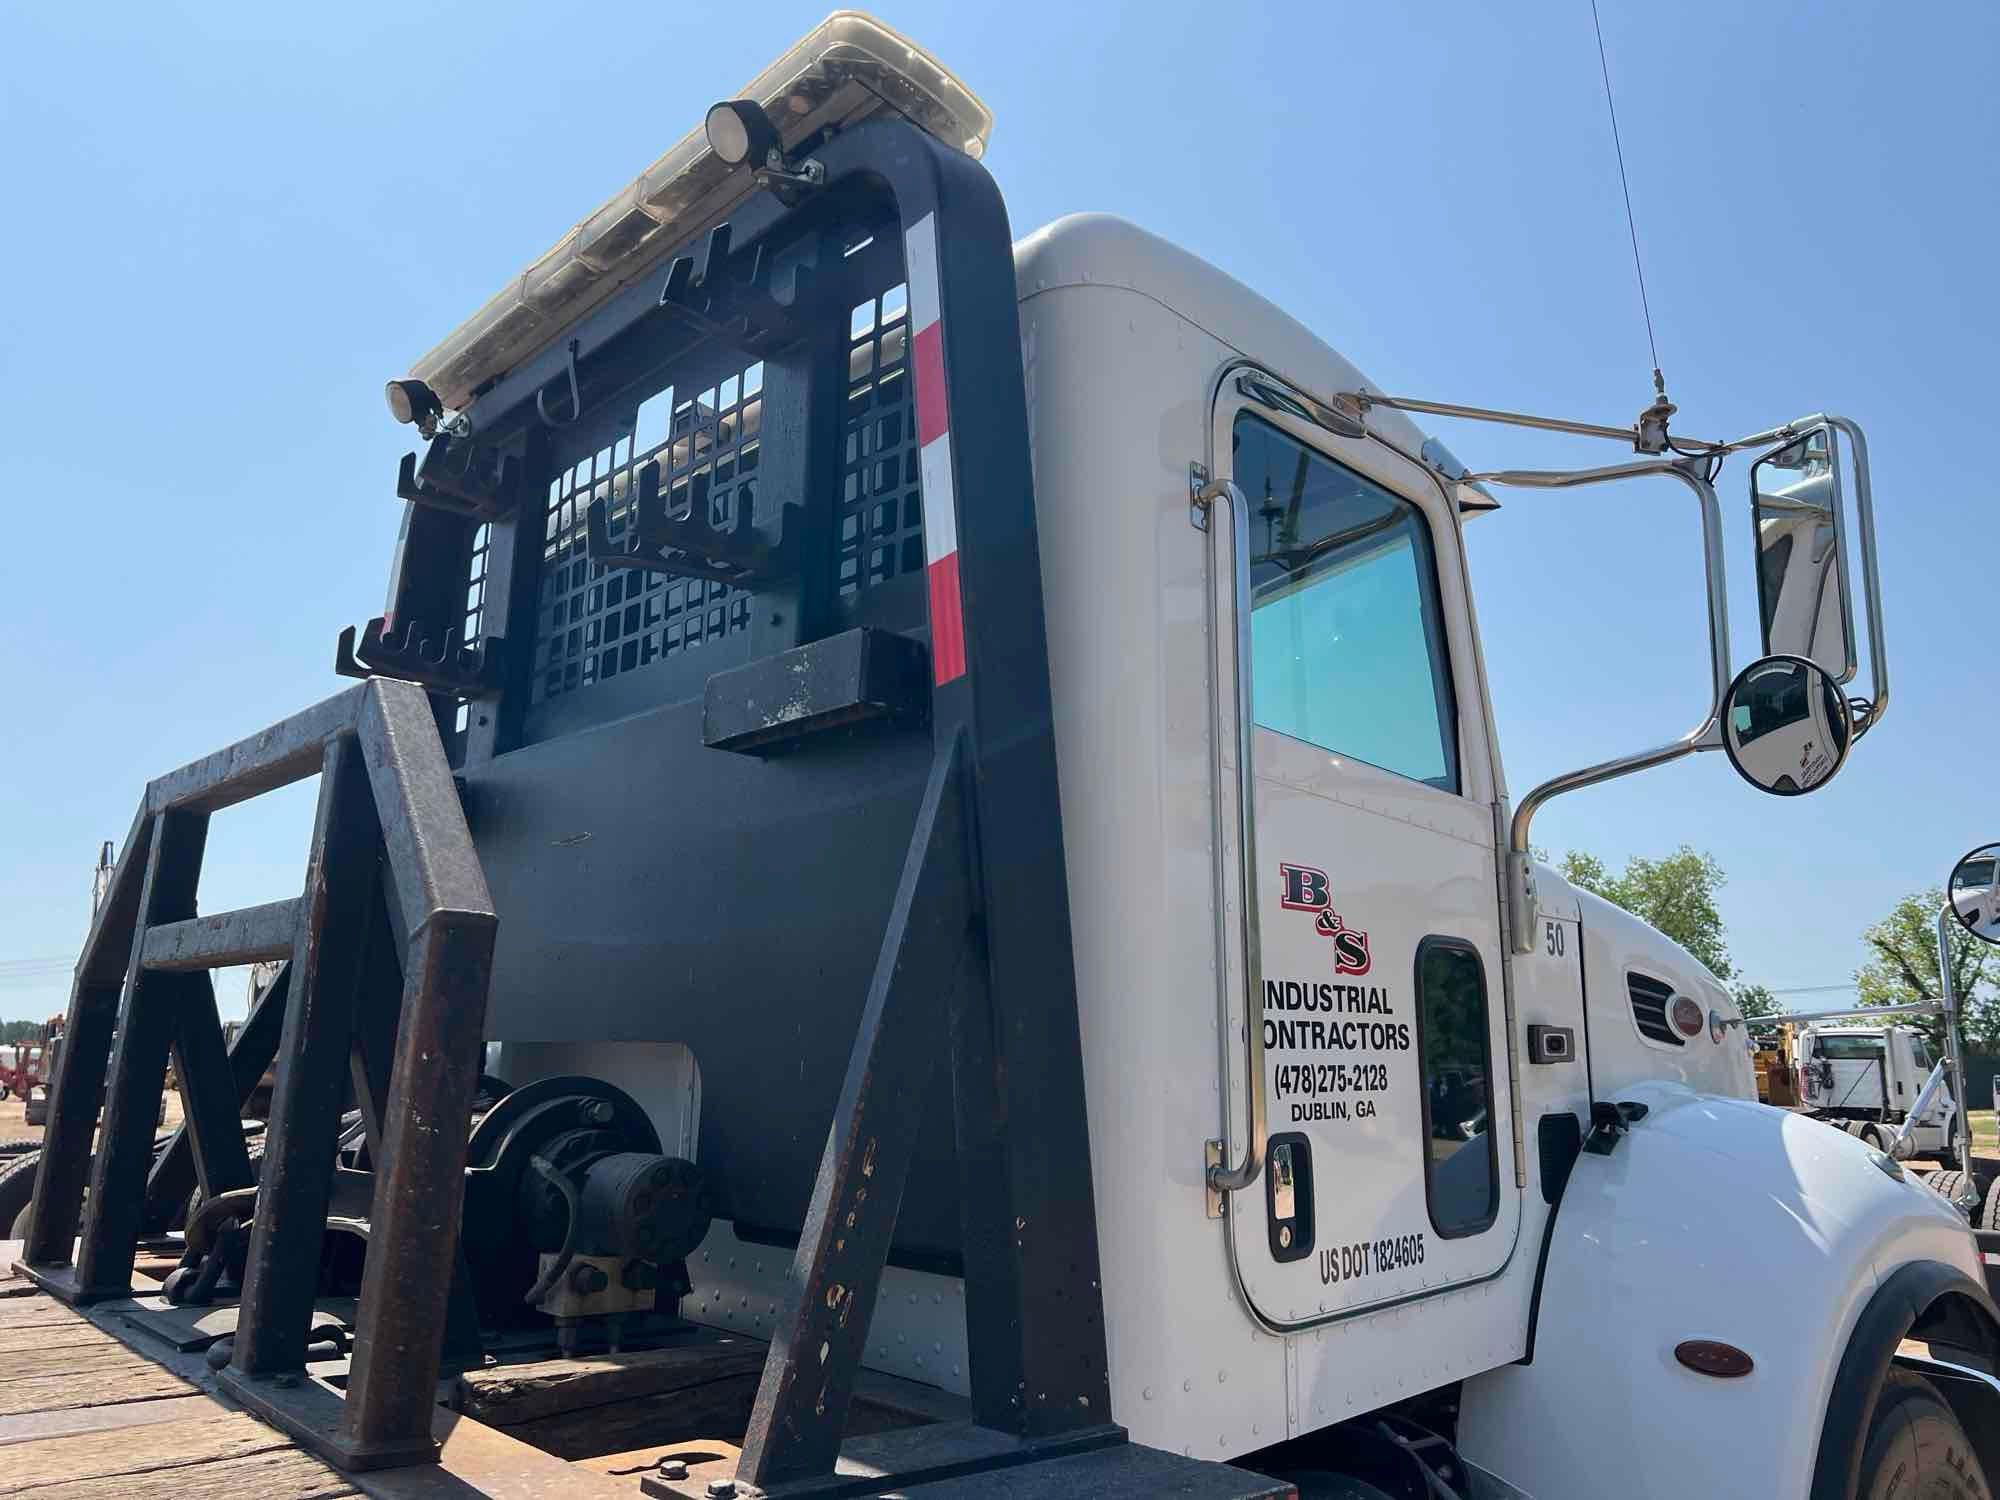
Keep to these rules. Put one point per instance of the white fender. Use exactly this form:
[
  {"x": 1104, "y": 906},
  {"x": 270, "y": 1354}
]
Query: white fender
[{"x": 1713, "y": 1218}]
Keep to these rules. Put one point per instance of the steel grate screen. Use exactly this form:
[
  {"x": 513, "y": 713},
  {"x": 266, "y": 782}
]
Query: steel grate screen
[
  {"x": 881, "y": 511},
  {"x": 596, "y": 622}
]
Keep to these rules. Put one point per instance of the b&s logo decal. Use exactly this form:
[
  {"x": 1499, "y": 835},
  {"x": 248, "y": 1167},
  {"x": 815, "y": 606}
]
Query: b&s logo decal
[{"x": 1307, "y": 889}]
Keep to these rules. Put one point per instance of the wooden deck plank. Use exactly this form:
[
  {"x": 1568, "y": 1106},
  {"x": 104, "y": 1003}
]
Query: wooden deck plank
[
  {"x": 37, "y": 1312},
  {"x": 67, "y": 1359},
  {"x": 285, "y": 1474},
  {"x": 212, "y": 1436},
  {"x": 512, "y": 1394},
  {"x": 146, "y": 1382},
  {"x": 33, "y": 1426},
  {"x": 52, "y": 1337},
  {"x": 666, "y": 1417}
]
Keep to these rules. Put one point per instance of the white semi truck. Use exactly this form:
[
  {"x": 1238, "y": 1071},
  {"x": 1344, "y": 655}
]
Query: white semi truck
[
  {"x": 1867, "y": 1078},
  {"x": 981, "y": 753}
]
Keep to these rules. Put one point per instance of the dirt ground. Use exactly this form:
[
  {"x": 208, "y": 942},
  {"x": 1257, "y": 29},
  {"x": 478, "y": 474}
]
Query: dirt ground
[{"x": 14, "y": 1124}]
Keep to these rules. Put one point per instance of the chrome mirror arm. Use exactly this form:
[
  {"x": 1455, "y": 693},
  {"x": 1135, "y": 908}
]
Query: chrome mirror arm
[
  {"x": 1705, "y": 735},
  {"x": 1960, "y": 1122}
]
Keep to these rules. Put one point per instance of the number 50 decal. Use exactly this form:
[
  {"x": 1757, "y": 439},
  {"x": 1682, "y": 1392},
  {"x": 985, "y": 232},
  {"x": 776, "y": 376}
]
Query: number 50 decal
[{"x": 1554, "y": 939}]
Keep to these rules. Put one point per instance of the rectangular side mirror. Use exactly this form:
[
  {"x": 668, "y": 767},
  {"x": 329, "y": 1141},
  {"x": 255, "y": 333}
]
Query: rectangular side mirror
[{"x": 1803, "y": 602}]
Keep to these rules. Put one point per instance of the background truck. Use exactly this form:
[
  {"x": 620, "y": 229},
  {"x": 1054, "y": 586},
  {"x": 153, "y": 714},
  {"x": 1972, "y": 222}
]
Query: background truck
[
  {"x": 1867, "y": 1077},
  {"x": 957, "y": 777},
  {"x": 28, "y": 1067}
]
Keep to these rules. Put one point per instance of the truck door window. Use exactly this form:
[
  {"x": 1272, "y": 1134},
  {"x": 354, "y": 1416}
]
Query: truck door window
[
  {"x": 1850, "y": 1048},
  {"x": 1461, "y": 1168},
  {"x": 1346, "y": 636}
]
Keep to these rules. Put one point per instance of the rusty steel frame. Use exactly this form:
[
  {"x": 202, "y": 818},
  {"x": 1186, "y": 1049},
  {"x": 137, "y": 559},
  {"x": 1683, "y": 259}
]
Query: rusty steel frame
[{"x": 390, "y": 844}]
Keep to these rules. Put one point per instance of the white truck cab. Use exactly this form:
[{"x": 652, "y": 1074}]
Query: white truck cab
[{"x": 1427, "y": 1082}]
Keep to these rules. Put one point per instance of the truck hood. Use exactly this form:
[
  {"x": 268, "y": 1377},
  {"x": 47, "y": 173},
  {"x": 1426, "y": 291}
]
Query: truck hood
[{"x": 1617, "y": 948}]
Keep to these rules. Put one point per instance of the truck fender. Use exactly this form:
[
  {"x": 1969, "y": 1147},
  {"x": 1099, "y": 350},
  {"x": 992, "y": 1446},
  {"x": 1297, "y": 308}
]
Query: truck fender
[{"x": 1725, "y": 1220}]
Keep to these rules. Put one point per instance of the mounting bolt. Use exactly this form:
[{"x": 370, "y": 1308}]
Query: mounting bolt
[
  {"x": 588, "y": 1281},
  {"x": 673, "y": 1468},
  {"x": 722, "y": 1489},
  {"x": 598, "y": 1112}
]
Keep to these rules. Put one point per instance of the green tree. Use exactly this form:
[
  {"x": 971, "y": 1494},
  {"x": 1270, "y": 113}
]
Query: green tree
[
  {"x": 1676, "y": 894},
  {"x": 1757, "y": 1000},
  {"x": 1903, "y": 969}
]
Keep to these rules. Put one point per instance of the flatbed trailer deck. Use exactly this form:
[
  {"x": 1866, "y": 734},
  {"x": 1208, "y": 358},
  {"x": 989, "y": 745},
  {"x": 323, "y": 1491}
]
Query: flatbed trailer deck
[{"x": 94, "y": 1404}]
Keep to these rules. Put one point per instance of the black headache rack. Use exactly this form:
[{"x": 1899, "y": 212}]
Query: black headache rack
[{"x": 720, "y": 639}]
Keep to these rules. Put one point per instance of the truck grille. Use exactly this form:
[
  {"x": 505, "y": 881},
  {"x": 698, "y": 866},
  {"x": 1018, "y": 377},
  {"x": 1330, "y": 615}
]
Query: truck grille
[{"x": 1650, "y": 998}]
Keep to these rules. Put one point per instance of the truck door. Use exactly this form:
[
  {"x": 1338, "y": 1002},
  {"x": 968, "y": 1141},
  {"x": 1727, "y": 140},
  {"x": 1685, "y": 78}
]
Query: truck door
[{"x": 1390, "y": 1169}]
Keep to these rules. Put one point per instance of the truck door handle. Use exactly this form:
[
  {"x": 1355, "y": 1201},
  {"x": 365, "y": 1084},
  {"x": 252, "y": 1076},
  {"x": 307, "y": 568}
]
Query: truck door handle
[{"x": 1221, "y": 1176}]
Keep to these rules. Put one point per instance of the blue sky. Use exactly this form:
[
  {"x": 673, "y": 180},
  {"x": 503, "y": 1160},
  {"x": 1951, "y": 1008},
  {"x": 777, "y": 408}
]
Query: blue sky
[{"x": 230, "y": 223}]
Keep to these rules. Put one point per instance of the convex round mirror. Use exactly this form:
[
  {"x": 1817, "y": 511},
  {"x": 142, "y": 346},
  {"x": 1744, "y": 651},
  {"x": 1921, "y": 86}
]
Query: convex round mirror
[
  {"x": 1975, "y": 892},
  {"x": 1785, "y": 725}
]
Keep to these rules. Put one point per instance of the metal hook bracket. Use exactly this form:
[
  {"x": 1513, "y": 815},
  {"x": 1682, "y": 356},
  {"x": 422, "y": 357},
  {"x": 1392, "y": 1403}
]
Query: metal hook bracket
[
  {"x": 460, "y": 477},
  {"x": 689, "y": 545},
  {"x": 575, "y": 394},
  {"x": 738, "y": 307},
  {"x": 446, "y": 666}
]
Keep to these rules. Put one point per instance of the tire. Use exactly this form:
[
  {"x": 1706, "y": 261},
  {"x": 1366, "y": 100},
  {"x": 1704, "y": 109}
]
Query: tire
[
  {"x": 1948, "y": 1184},
  {"x": 1915, "y": 1448},
  {"x": 1989, "y": 1213},
  {"x": 1870, "y": 1134},
  {"x": 17, "y": 1194}
]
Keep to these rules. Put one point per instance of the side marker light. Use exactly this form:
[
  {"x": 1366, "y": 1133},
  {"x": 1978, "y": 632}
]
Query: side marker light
[{"x": 1709, "y": 1357}]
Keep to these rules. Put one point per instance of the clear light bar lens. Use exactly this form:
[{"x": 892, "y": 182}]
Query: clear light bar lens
[{"x": 849, "y": 68}]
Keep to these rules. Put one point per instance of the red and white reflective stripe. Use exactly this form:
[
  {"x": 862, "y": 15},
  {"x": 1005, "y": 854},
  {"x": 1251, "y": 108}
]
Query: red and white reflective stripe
[{"x": 934, "y": 452}]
